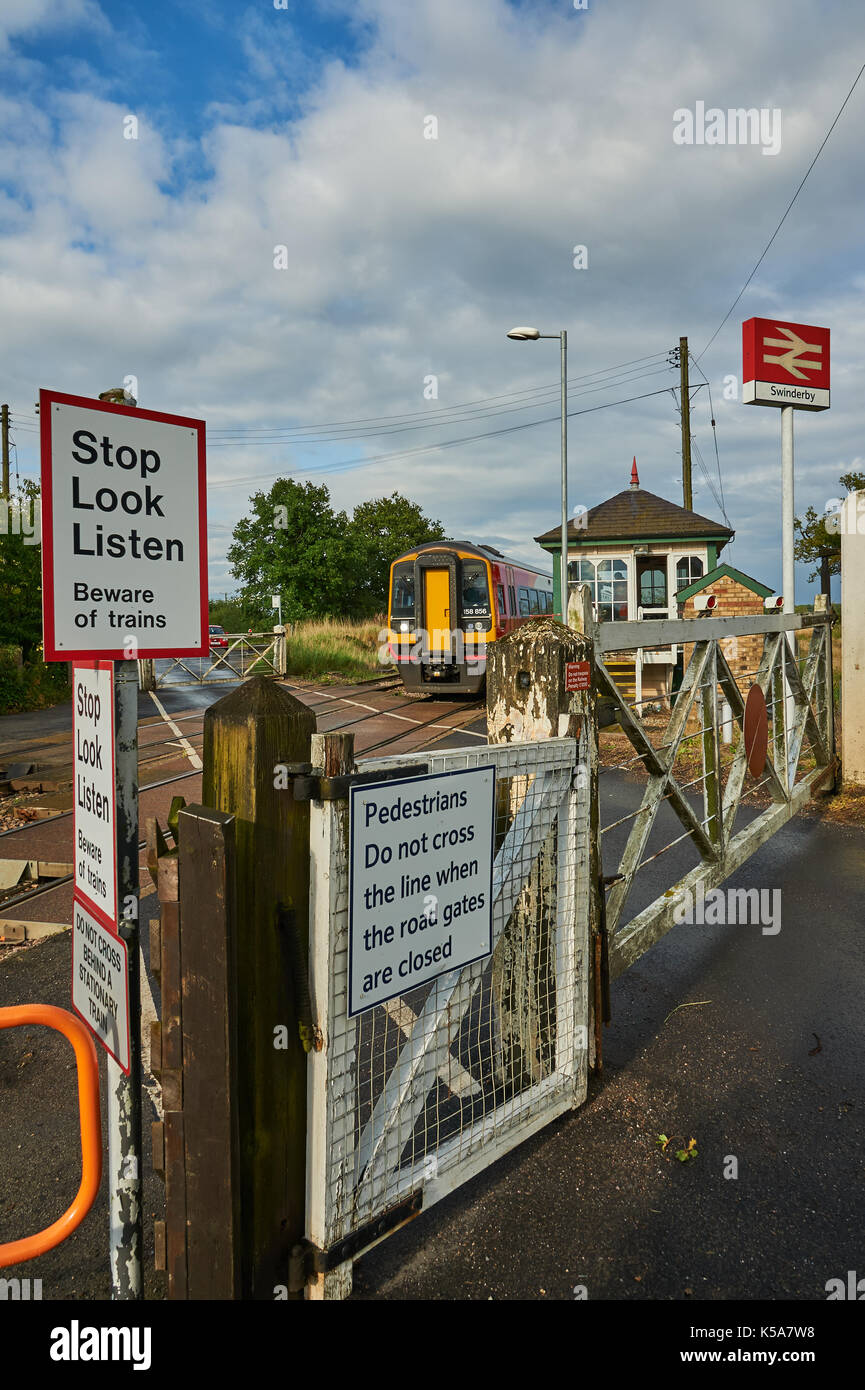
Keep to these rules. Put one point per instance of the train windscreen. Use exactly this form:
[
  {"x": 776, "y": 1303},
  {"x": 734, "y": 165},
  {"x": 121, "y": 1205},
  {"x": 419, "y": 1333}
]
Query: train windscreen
[{"x": 402, "y": 595}]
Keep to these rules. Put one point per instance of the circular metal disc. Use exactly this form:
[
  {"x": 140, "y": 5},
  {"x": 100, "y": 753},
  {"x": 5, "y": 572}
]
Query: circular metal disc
[{"x": 756, "y": 731}]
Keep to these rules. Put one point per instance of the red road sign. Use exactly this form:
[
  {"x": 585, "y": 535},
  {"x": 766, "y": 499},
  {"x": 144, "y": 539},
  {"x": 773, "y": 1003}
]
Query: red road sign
[
  {"x": 578, "y": 675},
  {"x": 785, "y": 364},
  {"x": 756, "y": 730}
]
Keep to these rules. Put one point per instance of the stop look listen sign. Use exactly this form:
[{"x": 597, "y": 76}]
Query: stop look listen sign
[{"x": 124, "y": 541}]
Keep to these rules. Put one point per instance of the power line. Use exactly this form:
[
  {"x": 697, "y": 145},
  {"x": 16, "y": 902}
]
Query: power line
[
  {"x": 784, "y": 218},
  {"x": 425, "y": 414},
  {"x": 347, "y": 465},
  {"x": 629, "y": 378}
]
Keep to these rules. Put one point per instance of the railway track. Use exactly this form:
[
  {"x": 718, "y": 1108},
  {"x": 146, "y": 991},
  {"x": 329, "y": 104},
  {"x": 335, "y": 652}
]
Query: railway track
[{"x": 360, "y": 709}]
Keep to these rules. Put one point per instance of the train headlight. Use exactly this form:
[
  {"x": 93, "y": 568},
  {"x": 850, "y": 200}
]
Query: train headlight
[{"x": 404, "y": 627}]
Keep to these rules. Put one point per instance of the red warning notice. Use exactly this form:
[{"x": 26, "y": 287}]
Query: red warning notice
[{"x": 578, "y": 675}]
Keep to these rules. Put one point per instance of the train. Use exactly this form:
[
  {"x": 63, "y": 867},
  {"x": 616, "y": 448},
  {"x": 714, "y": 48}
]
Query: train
[{"x": 448, "y": 601}]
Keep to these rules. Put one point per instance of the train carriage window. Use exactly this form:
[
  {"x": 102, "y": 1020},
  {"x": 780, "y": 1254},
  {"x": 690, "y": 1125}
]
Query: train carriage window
[
  {"x": 535, "y": 601},
  {"x": 548, "y": 600},
  {"x": 525, "y": 608},
  {"x": 513, "y": 595},
  {"x": 500, "y": 591},
  {"x": 402, "y": 597}
]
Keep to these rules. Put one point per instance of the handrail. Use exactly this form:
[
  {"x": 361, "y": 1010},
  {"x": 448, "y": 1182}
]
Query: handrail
[{"x": 20, "y": 1016}]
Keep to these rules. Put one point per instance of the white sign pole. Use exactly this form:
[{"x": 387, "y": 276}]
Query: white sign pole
[
  {"x": 124, "y": 1090},
  {"x": 788, "y": 572}
]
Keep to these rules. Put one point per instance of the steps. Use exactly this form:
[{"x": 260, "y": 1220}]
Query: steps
[{"x": 624, "y": 673}]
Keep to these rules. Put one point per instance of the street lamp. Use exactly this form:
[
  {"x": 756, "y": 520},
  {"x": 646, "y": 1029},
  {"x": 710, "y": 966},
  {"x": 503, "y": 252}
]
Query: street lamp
[{"x": 531, "y": 335}]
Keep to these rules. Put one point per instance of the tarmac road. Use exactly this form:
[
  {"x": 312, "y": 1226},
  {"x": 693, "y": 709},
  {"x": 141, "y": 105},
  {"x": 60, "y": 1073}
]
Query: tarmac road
[{"x": 768, "y": 1071}]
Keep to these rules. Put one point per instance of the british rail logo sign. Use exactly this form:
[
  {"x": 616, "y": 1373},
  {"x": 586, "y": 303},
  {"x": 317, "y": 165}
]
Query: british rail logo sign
[
  {"x": 785, "y": 364},
  {"x": 421, "y": 865},
  {"x": 124, "y": 551}
]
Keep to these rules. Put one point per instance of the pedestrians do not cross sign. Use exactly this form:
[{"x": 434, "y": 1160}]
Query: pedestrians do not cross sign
[{"x": 124, "y": 546}]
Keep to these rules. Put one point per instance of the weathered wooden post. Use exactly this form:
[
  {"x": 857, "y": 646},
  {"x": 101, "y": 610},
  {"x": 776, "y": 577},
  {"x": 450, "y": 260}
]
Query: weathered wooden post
[
  {"x": 527, "y": 700},
  {"x": 251, "y": 738}
]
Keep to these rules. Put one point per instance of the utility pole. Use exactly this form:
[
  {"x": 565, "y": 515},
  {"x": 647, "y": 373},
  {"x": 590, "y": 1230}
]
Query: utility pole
[
  {"x": 4, "y": 418},
  {"x": 686, "y": 424}
]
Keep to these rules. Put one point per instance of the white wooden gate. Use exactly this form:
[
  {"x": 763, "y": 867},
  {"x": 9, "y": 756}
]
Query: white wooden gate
[{"x": 415, "y": 1096}]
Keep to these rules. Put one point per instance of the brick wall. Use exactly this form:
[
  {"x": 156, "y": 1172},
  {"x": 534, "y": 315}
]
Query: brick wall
[{"x": 734, "y": 601}]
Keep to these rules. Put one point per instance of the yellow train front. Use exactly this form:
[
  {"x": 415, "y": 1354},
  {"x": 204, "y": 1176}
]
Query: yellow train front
[{"x": 448, "y": 601}]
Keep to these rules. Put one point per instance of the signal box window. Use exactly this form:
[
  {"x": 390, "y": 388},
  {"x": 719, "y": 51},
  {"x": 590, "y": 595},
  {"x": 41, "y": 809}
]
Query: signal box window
[
  {"x": 402, "y": 598},
  {"x": 653, "y": 588},
  {"x": 608, "y": 582},
  {"x": 689, "y": 568}
]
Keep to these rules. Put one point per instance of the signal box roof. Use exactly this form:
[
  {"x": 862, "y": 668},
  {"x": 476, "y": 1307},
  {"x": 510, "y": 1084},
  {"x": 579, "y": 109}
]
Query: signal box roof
[{"x": 636, "y": 515}]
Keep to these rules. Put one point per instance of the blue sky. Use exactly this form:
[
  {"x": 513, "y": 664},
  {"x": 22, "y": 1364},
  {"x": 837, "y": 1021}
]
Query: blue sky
[{"x": 408, "y": 258}]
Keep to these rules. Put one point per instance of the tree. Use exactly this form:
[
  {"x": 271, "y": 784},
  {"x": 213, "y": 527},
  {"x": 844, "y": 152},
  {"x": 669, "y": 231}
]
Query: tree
[
  {"x": 381, "y": 530},
  {"x": 293, "y": 544},
  {"x": 816, "y": 543},
  {"x": 21, "y": 571},
  {"x": 322, "y": 563}
]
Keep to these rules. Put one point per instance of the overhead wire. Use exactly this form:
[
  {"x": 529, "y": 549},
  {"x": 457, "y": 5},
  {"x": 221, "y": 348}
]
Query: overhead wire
[
  {"x": 348, "y": 465},
  {"x": 786, "y": 212}
]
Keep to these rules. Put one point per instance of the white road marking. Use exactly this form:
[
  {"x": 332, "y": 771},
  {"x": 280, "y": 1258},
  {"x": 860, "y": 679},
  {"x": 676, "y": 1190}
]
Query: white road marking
[{"x": 184, "y": 742}]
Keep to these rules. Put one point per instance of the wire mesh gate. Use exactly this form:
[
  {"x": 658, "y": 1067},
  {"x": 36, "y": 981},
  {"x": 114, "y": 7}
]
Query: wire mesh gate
[{"x": 413, "y": 1097}]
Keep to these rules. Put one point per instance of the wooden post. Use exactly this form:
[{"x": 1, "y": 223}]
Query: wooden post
[
  {"x": 251, "y": 737},
  {"x": 211, "y": 1135},
  {"x": 526, "y": 701}
]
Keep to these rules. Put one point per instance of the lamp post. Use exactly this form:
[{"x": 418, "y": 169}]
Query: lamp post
[{"x": 530, "y": 335}]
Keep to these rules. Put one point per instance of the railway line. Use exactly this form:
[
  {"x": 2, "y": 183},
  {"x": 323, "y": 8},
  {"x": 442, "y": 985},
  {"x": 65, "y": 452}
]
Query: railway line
[{"x": 379, "y": 715}]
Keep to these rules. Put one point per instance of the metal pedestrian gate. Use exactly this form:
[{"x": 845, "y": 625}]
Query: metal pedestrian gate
[{"x": 416, "y": 1095}]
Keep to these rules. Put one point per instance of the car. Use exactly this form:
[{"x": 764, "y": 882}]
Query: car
[{"x": 217, "y": 636}]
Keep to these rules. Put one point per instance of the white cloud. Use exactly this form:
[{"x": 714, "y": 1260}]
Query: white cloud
[{"x": 410, "y": 256}]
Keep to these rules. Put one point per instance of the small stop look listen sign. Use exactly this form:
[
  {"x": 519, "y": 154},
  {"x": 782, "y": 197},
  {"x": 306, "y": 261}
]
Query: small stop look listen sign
[{"x": 124, "y": 539}]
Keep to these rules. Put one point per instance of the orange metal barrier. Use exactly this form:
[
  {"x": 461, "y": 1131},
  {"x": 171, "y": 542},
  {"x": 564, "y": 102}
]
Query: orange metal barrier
[{"x": 72, "y": 1028}]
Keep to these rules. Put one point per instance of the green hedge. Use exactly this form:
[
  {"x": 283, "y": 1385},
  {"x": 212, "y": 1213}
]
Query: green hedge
[{"x": 35, "y": 685}]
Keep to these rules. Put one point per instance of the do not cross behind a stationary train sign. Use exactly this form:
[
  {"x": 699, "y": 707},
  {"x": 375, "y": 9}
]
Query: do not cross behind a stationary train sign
[{"x": 124, "y": 544}]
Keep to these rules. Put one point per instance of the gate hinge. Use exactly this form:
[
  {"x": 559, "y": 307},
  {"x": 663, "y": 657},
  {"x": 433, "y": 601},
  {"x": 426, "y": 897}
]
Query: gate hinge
[
  {"x": 294, "y": 957},
  {"x": 308, "y": 787},
  {"x": 307, "y": 1261}
]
